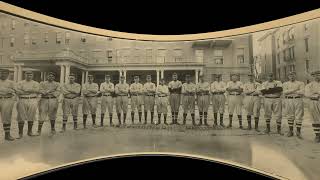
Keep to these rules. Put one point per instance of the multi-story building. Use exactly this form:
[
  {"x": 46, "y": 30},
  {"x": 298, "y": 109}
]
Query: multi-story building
[
  {"x": 28, "y": 45},
  {"x": 291, "y": 48}
]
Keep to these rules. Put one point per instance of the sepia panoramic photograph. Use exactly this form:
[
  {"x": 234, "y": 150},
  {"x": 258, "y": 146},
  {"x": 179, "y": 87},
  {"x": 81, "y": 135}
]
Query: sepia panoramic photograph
[{"x": 251, "y": 99}]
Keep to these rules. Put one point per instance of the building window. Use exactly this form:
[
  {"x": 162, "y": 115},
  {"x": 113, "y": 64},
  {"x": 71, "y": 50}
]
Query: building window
[
  {"x": 307, "y": 65},
  {"x": 161, "y": 56},
  {"x": 279, "y": 73},
  {"x": 137, "y": 55},
  {"x": 178, "y": 55},
  {"x": 199, "y": 54},
  {"x": 13, "y": 24},
  {"x": 58, "y": 37},
  {"x": 306, "y": 43},
  {"x": 26, "y": 38},
  {"x": 291, "y": 33},
  {"x": 218, "y": 56},
  {"x": 285, "y": 37},
  {"x": 67, "y": 39},
  {"x": 291, "y": 53},
  {"x": 83, "y": 39},
  {"x": 46, "y": 37},
  {"x": 149, "y": 55},
  {"x": 12, "y": 40},
  {"x": 278, "y": 43},
  {"x": 1, "y": 59},
  {"x": 285, "y": 71},
  {"x": 240, "y": 55},
  {"x": 34, "y": 38},
  {"x": 109, "y": 55}
]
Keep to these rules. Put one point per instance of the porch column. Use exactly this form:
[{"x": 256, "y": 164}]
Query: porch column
[
  {"x": 158, "y": 77},
  {"x": 15, "y": 73},
  {"x": 41, "y": 76},
  {"x": 44, "y": 76},
  {"x": 162, "y": 73},
  {"x": 67, "y": 73},
  {"x": 82, "y": 78},
  {"x": 197, "y": 76},
  {"x": 19, "y": 73},
  {"x": 86, "y": 78},
  {"x": 62, "y": 74},
  {"x": 125, "y": 75}
]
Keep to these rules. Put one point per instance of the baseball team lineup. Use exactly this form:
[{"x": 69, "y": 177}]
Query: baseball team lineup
[{"x": 280, "y": 101}]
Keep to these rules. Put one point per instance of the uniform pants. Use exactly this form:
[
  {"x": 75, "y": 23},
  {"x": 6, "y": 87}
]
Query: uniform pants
[
  {"x": 175, "y": 100},
  {"x": 6, "y": 106},
  {"x": 162, "y": 105},
  {"x": 218, "y": 103},
  {"x": 89, "y": 105},
  {"x": 235, "y": 104},
  {"x": 122, "y": 104},
  {"x": 314, "y": 109},
  {"x": 188, "y": 103},
  {"x": 149, "y": 103},
  {"x": 48, "y": 107},
  {"x": 203, "y": 102},
  {"x": 70, "y": 105},
  {"x": 294, "y": 111},
  {"x": 136, "y": 102},
  {"x": 27, "y": 109},
  {"x": 273, "y": 106},
  {"x": 106, "y": 102},
  {"x": 252, "y": 105}
]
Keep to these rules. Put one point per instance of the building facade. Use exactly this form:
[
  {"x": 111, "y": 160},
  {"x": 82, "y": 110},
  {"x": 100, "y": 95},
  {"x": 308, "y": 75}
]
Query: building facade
[
  {"x": 28, "y": 45},
  {"x": 291, "y": 48}
]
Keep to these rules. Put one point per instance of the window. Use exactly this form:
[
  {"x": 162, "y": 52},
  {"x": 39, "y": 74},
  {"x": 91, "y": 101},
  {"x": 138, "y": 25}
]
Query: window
[
  {"x": 306, "y": 43},
  {"x": 12, "y": 40},
  {"x": 149, "y": 55},
  {"x": 199, "y": 54},
  {"x": 240, "y": 55},
  {"x": 83, "y": 39},
  {"x": 109, "y": 38},
  {"x": 177, "y": 55},
  {"x": 1, "y": 59},
  {"x": 13, "y": 24},
  {"x": 137, "y": 55},
  {"x": 278, "y": 58},
  {"x": 307, "y": 65},
  {"x": 291, "y": 33},
  {"x": 34, "y": 38},
  {"x": 278, "y": 43},
  {"x": 58, "y": 37},
  {"x": 279, "y": 73},
  {"x": 46, "y": 37},
  {"x": 285, "y": 37},
  {"x": 161, "y": 55},
  {"x": 67, "y": 39},
  {"x": 26, "y": 38},
  {"x": 218, "y": 56},
  {"x": 285, "y": 71},
  {"x": 109, "y": 55},
  {"x": 291, "y": 53}
]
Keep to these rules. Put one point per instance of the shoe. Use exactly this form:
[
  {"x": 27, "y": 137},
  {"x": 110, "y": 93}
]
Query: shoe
[
  {"x": 8, "y": 138},
  {"x": 290, "y": 134}
]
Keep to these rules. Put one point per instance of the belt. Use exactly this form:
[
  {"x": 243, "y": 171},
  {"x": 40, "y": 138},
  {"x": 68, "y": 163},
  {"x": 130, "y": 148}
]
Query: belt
[
  {"x": 235, "y": 94},
  {"x": 45, "y": 97},
  {"x": 204, "y": 94},
  {"x": 253, "y": 95},
  {"x": 90, "y": 96},
  {"x": 149, "y": 95},
  {"x": 216, "y": 93},
  {"x": 107, "y": 95},
  {"x": 162, "y": 96},
  {"x": 5, "y": 97},
  {"x": 122, "y": 95},
  {"x": 70, "y": 97},
  {"x": 290, "y": 97},
  {"x": 272, "y": 97},
  {"x": 175, "y": 93},
  {"x": 134, "y": 95},
  {"x": 314, "y": 99},
  {"x": 28, "y": 97},
  {"x": 188, "y": 94}
]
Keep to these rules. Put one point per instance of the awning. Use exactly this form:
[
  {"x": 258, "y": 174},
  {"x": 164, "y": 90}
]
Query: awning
[{"x": 212, "y": 43}]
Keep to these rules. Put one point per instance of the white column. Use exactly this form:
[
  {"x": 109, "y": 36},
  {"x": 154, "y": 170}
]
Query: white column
[
  {"x": 120, "y": 73},
  {"x": 158, "y": 77},
  {"x": 15, "y": 73},
  {"x": 62, "y": 74},
  {"x": 125, "y": 75},
  {"x": 41, "y": 76},
  {"x": 83, "y": 78},
  {"x": 162, "y": 73},
  {"x": 67, "y": 73},
  {"x": 19, "y": 73},
  {"x": 86, "y": 78},
  {"x": 44, "y": 76},
  {"x": 197, "y": 76},
  {"x": 201, "y": 72}
]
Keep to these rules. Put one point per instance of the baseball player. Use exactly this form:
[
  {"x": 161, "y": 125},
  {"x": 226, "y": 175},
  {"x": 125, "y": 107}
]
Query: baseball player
[
  {"x": 162, "y": 103},
  {"x": 27, "y": 91},
  {"x": 203, "y": 99},
  {"x": 312, "y": 92},
  {"x": 71, "y": 93},
  {"x": 50, "y": 91},
  {"x": 272, "y": 90},
  {"x": 252, "y": 101},
  {"x": 122, "y": 90},
  {"x": 218, "y": 88},
  {"x": 234, "y": 89},
  {"x": 149, "y": 97},
  {"x": 293, "y": 92},
  {"x": 7, "y": 93},
  {"x": 90, "y": 101},
  {"x": 107, "y": 90},
  {"x": 136, "y": 92},
  {"x": 175, "y": 87},
  {"x": 188, "y": 100}
]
